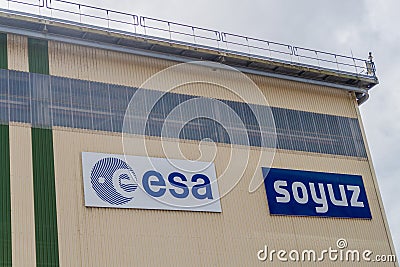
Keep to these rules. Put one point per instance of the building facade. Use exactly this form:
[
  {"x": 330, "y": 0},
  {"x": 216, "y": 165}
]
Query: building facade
[{"x": 65, "y": 89}]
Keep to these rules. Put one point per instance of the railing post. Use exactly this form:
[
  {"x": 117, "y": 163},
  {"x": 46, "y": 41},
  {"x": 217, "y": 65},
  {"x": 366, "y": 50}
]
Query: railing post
[
  {"x": 337, "y": 64},
  {"x": 194, "y": 37},
  {"x": 80, "y": 13},
  {"x": 169, "y": 30},
  {"x": 354, "y": 61},
  {"x": 218, "y": 36},
  {"x": 142, "y": 19},
  {"x": 269, "y": 50},
  {"x": 294, "y": 51},
  {"x": 108, "y": 20},
  {"x": 134, "y": 22}
]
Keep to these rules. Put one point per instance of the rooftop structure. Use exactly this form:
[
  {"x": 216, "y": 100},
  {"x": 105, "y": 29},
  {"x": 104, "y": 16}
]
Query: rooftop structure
[{"x": 72, "y": 22}]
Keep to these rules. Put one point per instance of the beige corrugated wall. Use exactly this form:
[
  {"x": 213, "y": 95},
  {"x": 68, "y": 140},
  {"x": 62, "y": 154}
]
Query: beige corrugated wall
[
  {"x": 117, "y": 237},
  {"x": 22, "y": 209},
  {"x": 132, "y": 237},
  {"x": 374, "y": 178},
  {"x": 86, "y": 63},
  {"x": 17, "y": 49},
  {"x": 183, "y": 238},
  {"x": 21, "y": 183}
]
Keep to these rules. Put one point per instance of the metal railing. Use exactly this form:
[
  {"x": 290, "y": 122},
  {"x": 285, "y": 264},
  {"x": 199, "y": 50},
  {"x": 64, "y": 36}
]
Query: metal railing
[
  {"x": 130, "y": 19},
  {"x": 182, "y": 33},
  {"x": 331, "y": 60},
  {"x": 253, "y": 46},
  {"x": 36, "y": 3}
]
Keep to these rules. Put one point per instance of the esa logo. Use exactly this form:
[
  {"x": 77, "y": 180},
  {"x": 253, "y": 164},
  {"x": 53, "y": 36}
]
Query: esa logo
[
  {"x": 293, "y": 192},
  {"x": 114, "y": 182}
]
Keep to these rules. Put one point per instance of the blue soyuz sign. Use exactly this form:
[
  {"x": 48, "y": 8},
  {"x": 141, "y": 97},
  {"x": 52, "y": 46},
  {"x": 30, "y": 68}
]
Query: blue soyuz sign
[{"x": 306, "y": 193}]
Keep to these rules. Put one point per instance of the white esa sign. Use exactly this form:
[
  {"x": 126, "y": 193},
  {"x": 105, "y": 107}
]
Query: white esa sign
[{"x": 120, "y": 181}]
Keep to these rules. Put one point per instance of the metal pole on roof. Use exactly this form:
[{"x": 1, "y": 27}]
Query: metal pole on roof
[{"x": 108, "y": 20}]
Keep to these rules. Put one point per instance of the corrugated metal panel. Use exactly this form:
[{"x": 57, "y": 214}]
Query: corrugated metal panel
[
  {"x": 178, "y": 239},
  {"x": 5, "y": 198},
  {"x": 116, "y": 237},
  {"x": 227, "y": 238},
  {"x": 374, "y": 179},
  {"x": 38, "y": 56},
  {"x": 3, "y": 51},
  {"x": 306, "y": 97},
  {"x": 45, "y": 198},
  {"x": 80, "y": 62},
  {"x": 46, "y": 234},
  {"x": 22, "y": 207},
  {"x": 17, "y": 52}
]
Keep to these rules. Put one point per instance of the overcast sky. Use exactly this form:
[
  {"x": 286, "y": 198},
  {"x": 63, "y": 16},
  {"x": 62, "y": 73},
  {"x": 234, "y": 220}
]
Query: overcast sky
[{"x": 337, "y": 26}]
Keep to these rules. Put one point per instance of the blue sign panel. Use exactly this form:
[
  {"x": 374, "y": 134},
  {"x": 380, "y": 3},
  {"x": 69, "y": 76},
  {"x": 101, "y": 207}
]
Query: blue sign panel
[{"x": 306, "y": 193}]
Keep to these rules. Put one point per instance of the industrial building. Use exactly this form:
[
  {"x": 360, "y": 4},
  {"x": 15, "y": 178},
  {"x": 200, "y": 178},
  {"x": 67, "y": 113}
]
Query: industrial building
[{"x": 118, "y": 150}]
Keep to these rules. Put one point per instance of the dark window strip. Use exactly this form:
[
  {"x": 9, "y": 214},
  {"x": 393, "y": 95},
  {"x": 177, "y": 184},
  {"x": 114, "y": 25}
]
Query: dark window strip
[{"x": 47, "y": 101}]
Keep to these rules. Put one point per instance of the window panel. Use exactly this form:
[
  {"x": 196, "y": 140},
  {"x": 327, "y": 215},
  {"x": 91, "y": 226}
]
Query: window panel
[
  {"x": 250, "y": 121},
  {"x": 266, "y": 126},
  {"x": 119, "y": 98},
  {"x": 336, "y": 135},
  {"x": 41, "y": 100},
  {"x": 80, "y": 102},
  {"x": 101, "y": 110},
  {"x": 296, "y": 130},
  {"x": 347, "y": 136},
  {"x": 62, "y": 117},
  {"x": 82, "y": 119},
  {"x": 238, "y": 127},
  {"x": 284, "y": 140},
  {"x": 102, "y": 121},
  {"x": 189, "y": 128},
  {"x": 213, "y": 130},
  {"x": 310, "y": 132},
  {"x": 174, "y": 123},
  {"x": 206, "y": 116},
  {"x": 222, "y": 114},
  {"x": 61, "y": 91},
  {"x": 117, "y": 122},
  {"x": 130, "y": 92},
  {"x": 19, "y": 97},
  {"x": 357, "y": 138},
  {"x": 222, "y": 134},
  {"x": 323, "y": 133},
  {"x": 61, "y": 101},
  {"x": 99, "y": 96},
  {"x": 154, "y": 118},
  {"x": 118, "y": 103},
  {"x": 80, "y": 95}
]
